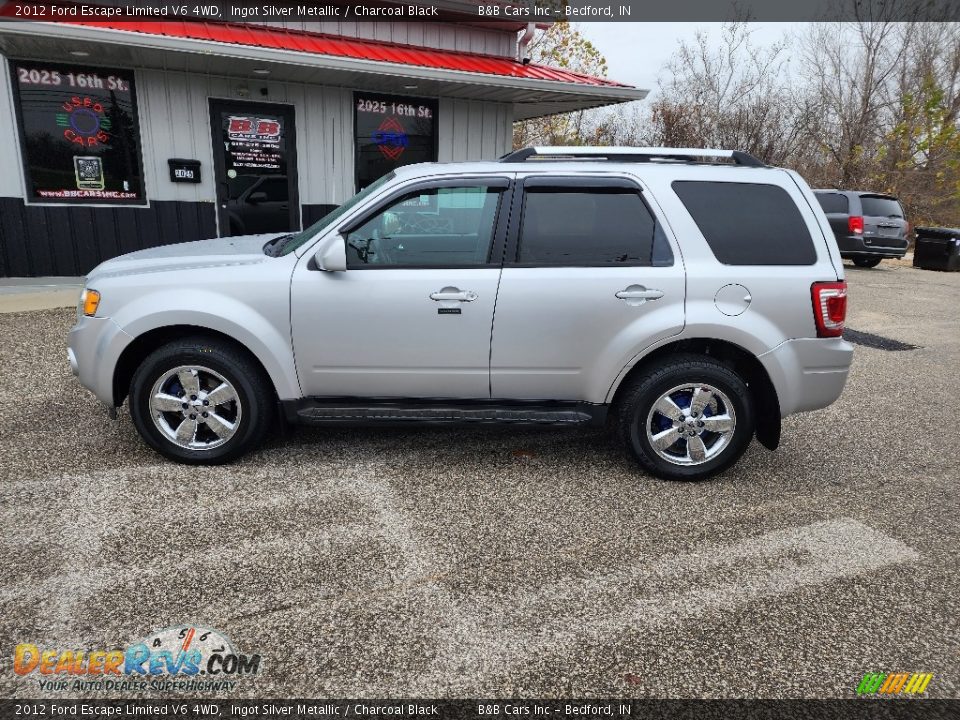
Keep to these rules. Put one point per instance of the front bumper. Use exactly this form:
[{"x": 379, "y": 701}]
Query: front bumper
[
  {"x": 808, "y": 373},
  {"x": 95, "y": 346}
]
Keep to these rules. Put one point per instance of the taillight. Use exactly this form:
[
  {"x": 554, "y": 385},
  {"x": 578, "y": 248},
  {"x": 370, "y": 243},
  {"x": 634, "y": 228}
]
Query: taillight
[
  {"x": 855, "y": 224},
  {"x": 829, "y": 307}
]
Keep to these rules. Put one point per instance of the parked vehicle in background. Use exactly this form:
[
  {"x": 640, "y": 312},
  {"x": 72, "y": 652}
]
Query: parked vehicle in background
[
  {"x": 695, "y": 296},
  {"x": 868, "y": 226}
]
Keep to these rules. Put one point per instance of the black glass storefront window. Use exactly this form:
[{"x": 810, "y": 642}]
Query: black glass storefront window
[
  {"x": 79, "y": 133},
  {"x": 390, "y": 132}
]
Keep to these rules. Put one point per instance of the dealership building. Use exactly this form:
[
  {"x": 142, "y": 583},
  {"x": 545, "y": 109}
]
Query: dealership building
[{"x": 121, "y": 135}]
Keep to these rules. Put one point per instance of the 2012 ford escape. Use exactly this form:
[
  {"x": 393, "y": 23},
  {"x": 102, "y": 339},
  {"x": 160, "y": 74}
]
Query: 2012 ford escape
[{"x": 691, "y": 297}]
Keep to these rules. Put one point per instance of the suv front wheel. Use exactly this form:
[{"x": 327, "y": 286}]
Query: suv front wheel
[
  {"x": 200, "y": 401},
  {"x": 686, "y": 419}
]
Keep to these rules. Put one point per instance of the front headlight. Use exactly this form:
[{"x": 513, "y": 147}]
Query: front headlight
[{"x": 89, "y": 302}]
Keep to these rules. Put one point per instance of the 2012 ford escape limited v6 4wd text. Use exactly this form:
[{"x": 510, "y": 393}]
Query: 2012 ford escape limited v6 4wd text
[{"x": 694, "y": 297}]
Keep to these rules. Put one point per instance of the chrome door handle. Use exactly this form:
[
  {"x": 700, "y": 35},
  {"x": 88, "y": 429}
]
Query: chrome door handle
[
  {"x": 639, "y": 292},
  {"x": 453, "y": 295}
]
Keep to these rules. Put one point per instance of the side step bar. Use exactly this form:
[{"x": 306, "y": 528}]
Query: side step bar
[{"x": 322, "y": 411}]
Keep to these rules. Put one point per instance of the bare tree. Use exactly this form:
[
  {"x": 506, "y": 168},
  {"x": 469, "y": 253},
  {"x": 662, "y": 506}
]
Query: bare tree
[{"x": 734, "y": 95}]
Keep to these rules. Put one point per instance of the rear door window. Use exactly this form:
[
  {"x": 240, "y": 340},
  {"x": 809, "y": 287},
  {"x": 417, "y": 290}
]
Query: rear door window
[
  {"x": 587, "y": 226},
  {"x": 879, "y": 206},
  {"x": 833, "y": 203},
  {"x": 748, "y": 223}
]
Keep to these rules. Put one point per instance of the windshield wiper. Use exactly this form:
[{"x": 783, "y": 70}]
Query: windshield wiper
[{"x": 274, "y": 247}]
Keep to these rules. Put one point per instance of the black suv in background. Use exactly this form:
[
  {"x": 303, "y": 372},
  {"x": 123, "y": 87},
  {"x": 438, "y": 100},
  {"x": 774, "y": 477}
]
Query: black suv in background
[{"x": 868, "y": 226}]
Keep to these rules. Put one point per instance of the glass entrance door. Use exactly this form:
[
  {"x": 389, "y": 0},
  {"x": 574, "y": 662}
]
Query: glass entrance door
[{"x": 255, "y": 167}]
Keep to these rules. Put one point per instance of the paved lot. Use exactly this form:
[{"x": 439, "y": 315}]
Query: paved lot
[{"x": 495, "y": 562}]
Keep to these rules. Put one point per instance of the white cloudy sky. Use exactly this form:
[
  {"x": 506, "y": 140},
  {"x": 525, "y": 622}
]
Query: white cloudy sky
[{"x": 636, "y": 52}]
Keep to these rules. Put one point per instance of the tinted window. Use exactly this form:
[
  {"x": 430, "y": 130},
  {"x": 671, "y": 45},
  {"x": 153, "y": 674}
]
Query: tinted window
[
  {"x": 448, "y": 226},
  {"x": 748, "y": 223},
  {"x": 880, "y": 206},
  {"x": 589, "y": 226},
  {"x": 80, "y": 133},
  {"x": 833, "y": 203},
  {"x": 390, "y": 132}
]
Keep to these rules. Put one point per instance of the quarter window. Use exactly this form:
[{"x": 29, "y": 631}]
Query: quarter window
[
  {"x": 589, "y": 226},
  {"x": 833, "y": 203},
  {"x": 748, "y": 223},
  {"x": 447, "y": 226}
]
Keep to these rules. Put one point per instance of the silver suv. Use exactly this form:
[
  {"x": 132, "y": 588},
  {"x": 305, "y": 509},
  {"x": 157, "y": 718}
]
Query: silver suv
[{"x": 692, "y": 298}]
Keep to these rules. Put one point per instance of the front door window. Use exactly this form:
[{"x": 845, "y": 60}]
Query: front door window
[{"x": 446, "y": 226}]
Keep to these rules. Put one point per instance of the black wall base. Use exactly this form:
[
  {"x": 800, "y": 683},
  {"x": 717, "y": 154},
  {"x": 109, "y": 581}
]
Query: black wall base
[{"x": 72, "y": 240}]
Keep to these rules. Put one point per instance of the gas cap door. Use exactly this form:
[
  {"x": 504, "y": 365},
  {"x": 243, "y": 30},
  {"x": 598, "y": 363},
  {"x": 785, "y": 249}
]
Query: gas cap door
[{"x": 732, "y": 299}]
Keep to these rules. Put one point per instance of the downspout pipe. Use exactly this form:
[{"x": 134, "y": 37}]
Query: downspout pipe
[{"x": 524, "y": 43}]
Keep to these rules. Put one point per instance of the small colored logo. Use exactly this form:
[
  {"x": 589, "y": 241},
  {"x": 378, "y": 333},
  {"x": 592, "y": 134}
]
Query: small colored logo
[
  {"x": 894, "y": 683},
  {"x": 250, "y": 128},
  {"x": 202, "y": 656},
  {"x": 391, "y": 138},
  {"x": 84, "y": 122}
]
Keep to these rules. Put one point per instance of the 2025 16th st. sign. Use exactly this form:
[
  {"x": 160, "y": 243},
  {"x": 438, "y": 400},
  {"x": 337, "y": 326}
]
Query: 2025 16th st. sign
[{"x": 79, "y": 133}]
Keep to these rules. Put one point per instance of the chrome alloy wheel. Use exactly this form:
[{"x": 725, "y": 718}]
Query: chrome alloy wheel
[
  {"x": 195, "y": 407},
  {"x": 691, "y": 424}
]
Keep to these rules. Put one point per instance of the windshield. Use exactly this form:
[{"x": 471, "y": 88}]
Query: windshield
[{"x": 306, "y": 234}]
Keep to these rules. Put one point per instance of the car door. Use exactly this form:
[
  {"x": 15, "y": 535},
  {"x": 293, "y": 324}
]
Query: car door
[
  {"x": 411, "y": 315},
  {"x": 589, "y": 280}
]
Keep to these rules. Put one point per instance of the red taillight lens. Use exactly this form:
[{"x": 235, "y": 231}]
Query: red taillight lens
[
  {"x": 855, "y": 224},
  {"x": 829, "y": 307}
]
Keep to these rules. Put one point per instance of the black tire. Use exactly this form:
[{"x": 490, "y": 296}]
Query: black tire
[
  {"x": 867, "y": 262},
  {"x": 252, "y": 387},
  {"x": 638, "y": 398}
]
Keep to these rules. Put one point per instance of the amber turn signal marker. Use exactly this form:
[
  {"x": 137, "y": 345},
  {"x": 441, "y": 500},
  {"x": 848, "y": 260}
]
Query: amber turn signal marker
[{"x": 90, "y": 301}]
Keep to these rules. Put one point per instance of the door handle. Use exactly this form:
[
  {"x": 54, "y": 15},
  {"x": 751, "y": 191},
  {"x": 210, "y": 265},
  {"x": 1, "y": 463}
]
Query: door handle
[
  {"x": 639, "y": 292},
  {"x": 453, "y": 295}
]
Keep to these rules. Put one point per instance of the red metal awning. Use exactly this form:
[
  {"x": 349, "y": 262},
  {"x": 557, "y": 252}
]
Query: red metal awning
[{"x": 353, "y": 48}]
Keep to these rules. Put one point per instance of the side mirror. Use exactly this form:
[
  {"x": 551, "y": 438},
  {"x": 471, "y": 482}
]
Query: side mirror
[
  {"x": 332, "y": 258},
  {"x": 257, "y": 198}
]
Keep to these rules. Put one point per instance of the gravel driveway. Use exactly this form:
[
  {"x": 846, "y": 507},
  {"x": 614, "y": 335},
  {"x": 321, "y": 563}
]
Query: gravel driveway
[{"x": 502, "y": 563}]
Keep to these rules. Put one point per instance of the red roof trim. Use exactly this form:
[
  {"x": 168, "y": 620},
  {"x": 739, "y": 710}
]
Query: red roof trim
[{"x": 354, "y": 48}]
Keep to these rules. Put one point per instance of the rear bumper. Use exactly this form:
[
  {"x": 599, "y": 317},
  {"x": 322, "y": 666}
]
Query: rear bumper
[
  {"x": 852, "y": 246},
  {"x": 808, "y": 373}
]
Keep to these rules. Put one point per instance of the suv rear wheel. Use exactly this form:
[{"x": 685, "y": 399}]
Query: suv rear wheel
[
  {"x": 866, "y": 262},
  {"x": 200, "y": 401},
  {"x": 687, "y": 419}
]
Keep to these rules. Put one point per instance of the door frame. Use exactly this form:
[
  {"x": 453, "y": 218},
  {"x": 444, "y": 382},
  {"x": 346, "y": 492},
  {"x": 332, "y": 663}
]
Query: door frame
[{"x": 288, "y": 111}]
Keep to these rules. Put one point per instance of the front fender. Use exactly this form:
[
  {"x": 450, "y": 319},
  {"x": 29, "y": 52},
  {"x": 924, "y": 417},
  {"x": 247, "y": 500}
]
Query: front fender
[{"x": 263, "y": 329}]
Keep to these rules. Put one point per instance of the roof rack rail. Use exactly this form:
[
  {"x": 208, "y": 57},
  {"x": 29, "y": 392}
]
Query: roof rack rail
[{"x": 630, "y": 154}]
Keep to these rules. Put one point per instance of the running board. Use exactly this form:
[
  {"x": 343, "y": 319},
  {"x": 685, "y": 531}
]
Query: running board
[{"x": 432, "y": 412}]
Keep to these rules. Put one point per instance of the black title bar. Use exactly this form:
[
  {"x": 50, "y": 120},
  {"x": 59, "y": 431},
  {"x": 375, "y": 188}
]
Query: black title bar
[
  {"x": 493, "y": 11},
  {"x": 479, "y": 709}
]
